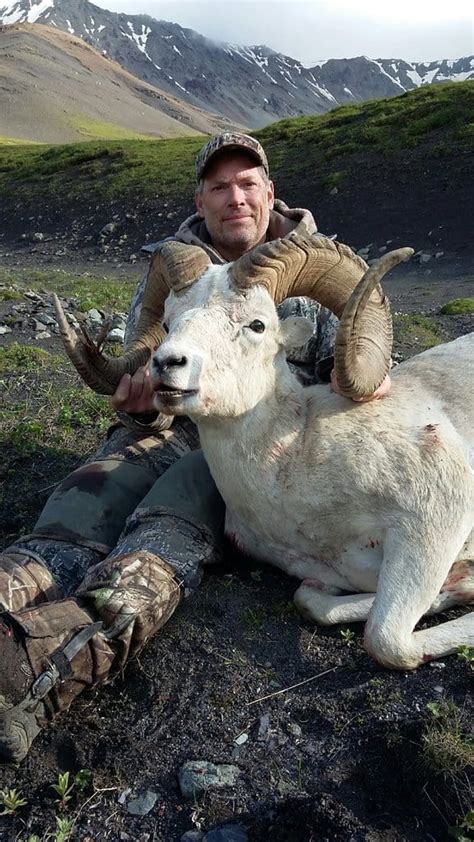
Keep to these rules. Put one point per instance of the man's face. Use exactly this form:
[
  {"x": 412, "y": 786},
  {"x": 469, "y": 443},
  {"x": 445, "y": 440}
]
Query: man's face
[{"x": 235, "y": 201}]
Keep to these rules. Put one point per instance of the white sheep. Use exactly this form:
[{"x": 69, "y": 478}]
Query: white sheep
[{"x": 370, "y": 504}]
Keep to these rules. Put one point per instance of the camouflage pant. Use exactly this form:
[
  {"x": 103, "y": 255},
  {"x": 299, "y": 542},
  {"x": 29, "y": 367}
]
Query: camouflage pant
[{"x": 138, "y": 493}]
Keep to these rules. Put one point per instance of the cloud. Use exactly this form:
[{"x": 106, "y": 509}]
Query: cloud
[{"x": 416, "y": 30}]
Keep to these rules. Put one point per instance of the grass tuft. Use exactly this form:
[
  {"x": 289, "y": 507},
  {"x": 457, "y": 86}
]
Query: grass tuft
[
  {"x": 446, "y": 747},
  {"x": 458, "y": 307}
]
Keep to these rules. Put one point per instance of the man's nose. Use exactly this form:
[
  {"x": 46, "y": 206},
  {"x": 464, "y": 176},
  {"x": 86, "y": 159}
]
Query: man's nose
[{"x": 236, "y": 195}]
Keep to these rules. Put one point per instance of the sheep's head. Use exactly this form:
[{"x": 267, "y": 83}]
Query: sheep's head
[
  {"x": 309, "y": 265},
  {"x": 223, "y": 348}
]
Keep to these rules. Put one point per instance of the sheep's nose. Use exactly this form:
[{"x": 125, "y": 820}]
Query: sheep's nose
[{"x": 168, "y": 363}]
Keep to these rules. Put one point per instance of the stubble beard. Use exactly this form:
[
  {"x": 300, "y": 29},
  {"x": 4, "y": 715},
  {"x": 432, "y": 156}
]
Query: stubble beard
[{"x": 243, "y": 240}]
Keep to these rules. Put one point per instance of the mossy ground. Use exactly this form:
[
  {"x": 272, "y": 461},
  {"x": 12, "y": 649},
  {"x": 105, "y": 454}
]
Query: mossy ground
[
  {"x": 88, "y": 289},
  {"x": 458, "y": 307}
]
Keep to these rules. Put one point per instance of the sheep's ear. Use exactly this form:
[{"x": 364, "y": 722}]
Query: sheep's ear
[{"x": 296, "y": 331}]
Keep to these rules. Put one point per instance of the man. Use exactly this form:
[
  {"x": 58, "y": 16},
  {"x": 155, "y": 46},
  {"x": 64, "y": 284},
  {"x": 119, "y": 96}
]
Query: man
[{"x": 122, "y": 538}]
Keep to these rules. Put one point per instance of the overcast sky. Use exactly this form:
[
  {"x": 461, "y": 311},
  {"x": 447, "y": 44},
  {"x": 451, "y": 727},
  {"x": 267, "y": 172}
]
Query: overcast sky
[{"x": 415, "y": 30}]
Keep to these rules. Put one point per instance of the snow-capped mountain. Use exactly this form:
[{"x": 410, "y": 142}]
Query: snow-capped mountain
[{"x": 250, "y": 85}]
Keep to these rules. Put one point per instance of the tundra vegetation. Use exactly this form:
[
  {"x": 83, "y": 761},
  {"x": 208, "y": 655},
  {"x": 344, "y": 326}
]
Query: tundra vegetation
[{"x": 441, "y": 116}]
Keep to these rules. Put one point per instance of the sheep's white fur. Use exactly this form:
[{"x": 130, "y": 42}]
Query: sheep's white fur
[{"x": 371, "y": 505}]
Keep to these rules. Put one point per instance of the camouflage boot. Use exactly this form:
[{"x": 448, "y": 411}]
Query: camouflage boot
[
  {"x": 24, "y": 579},
  {"x": 52, "y": 652}
]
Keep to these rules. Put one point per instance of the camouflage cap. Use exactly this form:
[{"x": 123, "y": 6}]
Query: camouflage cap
[{"x": 230, "y": 140}]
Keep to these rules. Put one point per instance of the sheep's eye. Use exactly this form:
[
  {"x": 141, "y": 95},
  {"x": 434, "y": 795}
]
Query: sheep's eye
[
  {"x": 165, "y": 327},
  {"x": 257, "y": 326}
]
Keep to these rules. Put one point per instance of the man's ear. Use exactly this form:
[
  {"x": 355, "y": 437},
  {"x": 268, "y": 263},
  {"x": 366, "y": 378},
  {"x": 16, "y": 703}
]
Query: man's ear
[
  {"x": 296, "y": 331},
  {"x": 198, "y": 203},
  {"x": 271, "y": 195}
]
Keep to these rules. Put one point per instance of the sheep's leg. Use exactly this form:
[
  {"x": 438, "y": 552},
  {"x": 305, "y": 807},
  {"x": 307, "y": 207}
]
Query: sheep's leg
[
  {"x": 413, "y": 573},
  {"x": 324, "y": 606}
]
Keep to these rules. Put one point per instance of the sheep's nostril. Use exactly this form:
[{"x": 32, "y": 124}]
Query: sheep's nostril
[
  {"x": 156, "y": 366},
  {"x": 175, "y": 362}
]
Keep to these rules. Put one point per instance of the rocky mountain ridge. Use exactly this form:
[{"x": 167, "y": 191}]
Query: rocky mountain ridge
[
  {"x": 251, "y": 85},
  {"x": 58, "y": 89}
]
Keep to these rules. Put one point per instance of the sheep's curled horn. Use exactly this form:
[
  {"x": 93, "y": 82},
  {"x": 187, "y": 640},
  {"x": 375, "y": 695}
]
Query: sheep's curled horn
[
  {"x": 174, "y": 266},
  {"x": 330, "y": 273},
  {"x": 311, "y": 265}
]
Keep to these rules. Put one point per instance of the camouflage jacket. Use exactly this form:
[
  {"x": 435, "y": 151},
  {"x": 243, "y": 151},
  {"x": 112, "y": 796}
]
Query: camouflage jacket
[{"x": 308, "y": 362}]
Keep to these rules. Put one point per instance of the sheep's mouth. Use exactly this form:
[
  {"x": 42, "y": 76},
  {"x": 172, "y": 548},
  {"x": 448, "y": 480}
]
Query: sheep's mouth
[{"x": 169, "y": 392}]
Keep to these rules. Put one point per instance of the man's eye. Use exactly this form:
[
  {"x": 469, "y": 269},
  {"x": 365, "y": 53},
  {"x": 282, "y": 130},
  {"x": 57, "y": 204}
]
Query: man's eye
[{"x": 257, "y": 326}]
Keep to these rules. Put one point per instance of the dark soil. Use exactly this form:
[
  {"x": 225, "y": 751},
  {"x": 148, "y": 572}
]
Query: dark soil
[{"x": 340, "y": 757}]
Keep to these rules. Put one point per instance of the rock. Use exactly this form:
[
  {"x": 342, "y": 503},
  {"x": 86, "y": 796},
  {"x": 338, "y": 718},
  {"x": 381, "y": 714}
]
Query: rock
[
  {"x": 4, "y": 329},
  {"x": 227, "y": 833},
  {"x": 241, "y": 739},
  {"x": 138, "y": 804},
  {"x": 37, "y": 237},
  {"x": 95, "y": 316},
  {"x": 108, "y": 229},
  {"x": 424, "y": 258},
  {"x": 192, "y": 836},
  {"x": 37, "y": 325},
  {"x": 116, "y": 335},
  {"x": 143, "y": 804},
  {"x": 263, "y": 727},
  {"x": 119, "y": 320},
  {"x": 294, "y": 729},
  {"x": 382, "y": 249},
  {"x": 43, "y": 334},
  {"x": 334, "y": 191},
  {"x": 196, "y": 776},
  {"x": 133, "y": 258},
  {"x": 47, "y": 319},
  {"x": 124, "y": 795},
  {"x": 439, "y": 254}
]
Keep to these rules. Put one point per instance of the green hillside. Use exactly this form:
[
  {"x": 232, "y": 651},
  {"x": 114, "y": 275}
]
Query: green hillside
[
  {"x": 416, "y": 148},
  {"x": 440, "y": 114}
]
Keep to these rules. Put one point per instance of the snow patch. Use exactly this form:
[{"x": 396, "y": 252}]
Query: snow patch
[
  {"x": 415, "y": 77},
  {"x": 37, "y": 9},
  {"x": 321, "y": 91},
  {"x": 429, "y": 76},
  {"x": 455, "y": 77},
  {"x": 140, "y": 40},
  {"x": 177, "y": 51},
  {"x": 377, "y": 63},
  {"x": 13, "y": 13}
]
